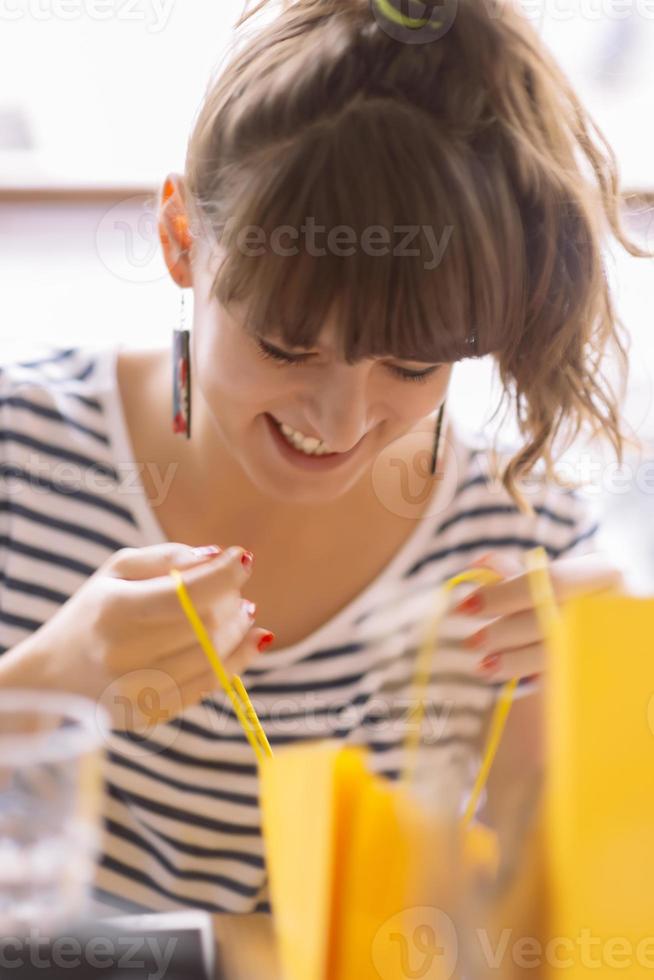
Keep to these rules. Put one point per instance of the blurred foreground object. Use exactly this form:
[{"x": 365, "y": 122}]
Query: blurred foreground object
[
  {"x": 50, "y": 784},
  {"x": 368, "y": 880}
]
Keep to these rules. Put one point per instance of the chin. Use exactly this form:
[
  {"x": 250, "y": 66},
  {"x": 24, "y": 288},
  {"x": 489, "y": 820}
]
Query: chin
[
  {"x": 301, "y": 490},
  {"x": 279, "y": 484}
]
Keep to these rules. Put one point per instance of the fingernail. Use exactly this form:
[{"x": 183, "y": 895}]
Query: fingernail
[
  {"x": 489, "y": 663},
  {"x": 476, "y": 640},
  {"x": 472, "y": 604},
  {"x": 207, "y": 551},
  {"x": 265, "y": 641},
  {"x": 249, "y": 607},
  {"x": 247, "y": 559}
]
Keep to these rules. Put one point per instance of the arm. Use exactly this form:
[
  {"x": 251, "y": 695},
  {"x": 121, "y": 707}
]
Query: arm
[{"x": 22, "y": 666}]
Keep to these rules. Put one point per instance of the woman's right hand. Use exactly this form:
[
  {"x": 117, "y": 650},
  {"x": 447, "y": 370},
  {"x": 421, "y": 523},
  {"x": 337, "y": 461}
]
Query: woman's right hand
[{"x": 123, "y": 638}]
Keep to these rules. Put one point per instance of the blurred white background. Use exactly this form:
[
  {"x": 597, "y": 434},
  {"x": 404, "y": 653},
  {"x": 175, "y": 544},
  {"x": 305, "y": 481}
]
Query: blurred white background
[{"x": 97, "y": 98}]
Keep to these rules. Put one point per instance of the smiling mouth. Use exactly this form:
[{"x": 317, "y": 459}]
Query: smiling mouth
[{"x": 307, "y": 445}]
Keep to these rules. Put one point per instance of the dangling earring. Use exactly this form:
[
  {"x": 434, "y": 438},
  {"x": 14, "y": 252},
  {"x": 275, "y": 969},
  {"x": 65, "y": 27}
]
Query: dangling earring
[
  {"x": 182, "y": 378},
  {"x": 437, "y": 440}
]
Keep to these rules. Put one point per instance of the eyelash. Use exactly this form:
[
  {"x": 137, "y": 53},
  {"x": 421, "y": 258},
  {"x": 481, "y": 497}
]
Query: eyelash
[{"x": 270, "y": 353}]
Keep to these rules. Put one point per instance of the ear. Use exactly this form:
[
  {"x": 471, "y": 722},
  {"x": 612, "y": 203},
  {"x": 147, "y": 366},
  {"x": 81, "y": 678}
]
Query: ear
[{"x": 174, "y": 232}]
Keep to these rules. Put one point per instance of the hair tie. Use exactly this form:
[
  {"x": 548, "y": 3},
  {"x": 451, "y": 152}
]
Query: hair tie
[{"x": 391, "y": 12}]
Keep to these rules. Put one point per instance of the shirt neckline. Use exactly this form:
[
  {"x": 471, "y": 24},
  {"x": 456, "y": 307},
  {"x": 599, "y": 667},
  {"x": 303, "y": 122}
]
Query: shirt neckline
[{"x": 153, "y": 532}]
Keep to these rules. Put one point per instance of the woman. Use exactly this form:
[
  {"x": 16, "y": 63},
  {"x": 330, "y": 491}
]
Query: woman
[{"x": 358, "y": 212}]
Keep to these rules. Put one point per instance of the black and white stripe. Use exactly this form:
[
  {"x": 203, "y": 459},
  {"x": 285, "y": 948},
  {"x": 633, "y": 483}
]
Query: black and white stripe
[{"x": 182, "y": 823}]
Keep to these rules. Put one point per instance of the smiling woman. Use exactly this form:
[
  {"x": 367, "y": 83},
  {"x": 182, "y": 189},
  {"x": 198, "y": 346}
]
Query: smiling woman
[
  {"x": 477, "y": 134},
  {"x": 316, "y": 380}
]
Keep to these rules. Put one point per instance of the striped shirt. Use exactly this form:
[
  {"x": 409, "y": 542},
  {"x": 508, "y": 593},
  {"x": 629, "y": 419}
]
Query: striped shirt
[{"x": 181, "y": 816}]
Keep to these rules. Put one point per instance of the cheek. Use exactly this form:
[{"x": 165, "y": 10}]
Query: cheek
[{"x": 230, "y": 373}]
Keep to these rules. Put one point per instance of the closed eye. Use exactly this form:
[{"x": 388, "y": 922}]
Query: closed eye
[{"x": 269, "y": 351}]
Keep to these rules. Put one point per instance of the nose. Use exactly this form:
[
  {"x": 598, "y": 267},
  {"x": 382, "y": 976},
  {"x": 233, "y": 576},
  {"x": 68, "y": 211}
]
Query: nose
[{"x": 338, "y": 408}]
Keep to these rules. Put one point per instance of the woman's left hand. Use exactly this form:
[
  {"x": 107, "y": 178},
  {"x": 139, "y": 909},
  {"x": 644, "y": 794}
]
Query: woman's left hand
[{"x": 512, "y": 644}]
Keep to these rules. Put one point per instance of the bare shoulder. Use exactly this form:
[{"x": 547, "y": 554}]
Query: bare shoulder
[
  {"x": 138, "y": 366},
  {"x": 141, "y": 377},
  {"x": 142, "y": 381}
]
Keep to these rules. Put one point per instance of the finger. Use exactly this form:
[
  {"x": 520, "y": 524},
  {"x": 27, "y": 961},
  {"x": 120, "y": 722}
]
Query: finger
[
  {"x": 188, "y": 664},
  {"x": 180, "y": 696},
  {"x": 582, "y": 575},
  {"x": 155, "y": 642},
  {"x": 506, "y": 633},
  {"x": 184, "y": 665},
  {"x": 505, "y": 565},
  {"x": 199, "y": 689},
  {"x": 502, "y": 565},
  {"x": 206, "y": 583},
  {"x": 190, "y": 670},
  {"x": 507, "y": 664},
  {"x": 252, "y": 647},
  {"x": 157, "y": 559}
]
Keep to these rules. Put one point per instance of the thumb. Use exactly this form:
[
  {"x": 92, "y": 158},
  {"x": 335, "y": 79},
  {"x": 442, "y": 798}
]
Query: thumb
[{"x": 157, "y": 559}]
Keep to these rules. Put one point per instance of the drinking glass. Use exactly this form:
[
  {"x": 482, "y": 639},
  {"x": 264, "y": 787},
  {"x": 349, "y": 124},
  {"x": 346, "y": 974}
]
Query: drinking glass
[{"x": 50, "y": 786}]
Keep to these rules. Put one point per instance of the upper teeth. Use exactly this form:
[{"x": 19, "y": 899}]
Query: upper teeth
[{"x": 306, "y": 444}]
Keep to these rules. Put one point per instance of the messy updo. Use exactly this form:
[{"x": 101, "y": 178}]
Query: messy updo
[{"x": 328, "y": 117}]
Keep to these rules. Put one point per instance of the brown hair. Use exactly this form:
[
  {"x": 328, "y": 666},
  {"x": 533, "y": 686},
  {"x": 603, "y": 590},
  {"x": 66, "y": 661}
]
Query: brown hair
[{"x": 324, "y": 115}]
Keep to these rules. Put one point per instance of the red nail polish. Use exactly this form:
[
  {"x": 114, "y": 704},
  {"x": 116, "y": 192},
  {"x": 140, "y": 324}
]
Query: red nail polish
[
  {"x": 265, "y": 641},
  {"x": 476, "y": 640},
  {"x": 473, "y": 604},
  {"x": 247, "y": 559},
  {"x": 489, "y": 663}
]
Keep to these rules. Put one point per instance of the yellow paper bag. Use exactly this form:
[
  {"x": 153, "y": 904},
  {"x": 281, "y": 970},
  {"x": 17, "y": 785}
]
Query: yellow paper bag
[
  {"x": 305, "y": 795},
  {"x": 600, "y": 790},
  {"x": 363, "y": 877}
]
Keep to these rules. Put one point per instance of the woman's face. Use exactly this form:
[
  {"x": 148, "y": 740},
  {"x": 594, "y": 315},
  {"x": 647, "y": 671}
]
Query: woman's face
[{"x": 252, "y": 387}]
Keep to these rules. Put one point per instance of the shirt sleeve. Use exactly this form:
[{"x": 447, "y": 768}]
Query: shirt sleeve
[{"x": 583, "y": 528}]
